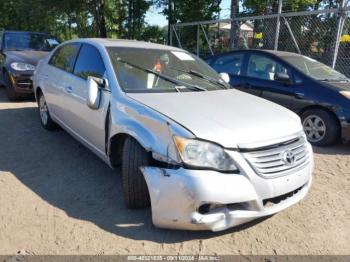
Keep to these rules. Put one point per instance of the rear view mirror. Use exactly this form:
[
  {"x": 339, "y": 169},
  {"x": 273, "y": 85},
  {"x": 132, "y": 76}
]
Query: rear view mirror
[
  {"x": 225, "y": 77},
  {"x": 94, "y": 85},
  {"x": 282, "y": 77}
]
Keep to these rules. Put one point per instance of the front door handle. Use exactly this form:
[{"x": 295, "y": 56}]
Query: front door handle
[
  {"x": 299, "y": 95},
  {"x": 69, "y": 89}
]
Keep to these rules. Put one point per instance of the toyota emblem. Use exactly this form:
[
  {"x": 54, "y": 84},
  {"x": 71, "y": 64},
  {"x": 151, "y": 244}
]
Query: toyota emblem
[{"x": 288, "y": 158}]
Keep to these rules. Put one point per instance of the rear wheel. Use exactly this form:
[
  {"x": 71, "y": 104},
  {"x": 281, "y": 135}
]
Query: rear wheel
[
  {"x": 45, "y": 117},
  {"x": 12, "y": 95},
  {"x": 135, "y": 189},
  {"x": 321, "y": 127}
]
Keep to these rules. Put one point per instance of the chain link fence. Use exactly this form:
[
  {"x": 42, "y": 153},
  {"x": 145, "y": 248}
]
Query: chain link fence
[
  {"x": 343, "y": 58},
  {"x": 323, "y": 35}
]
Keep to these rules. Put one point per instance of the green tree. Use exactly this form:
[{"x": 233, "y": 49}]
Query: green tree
[
  {"x": 153, "y": 34},
  {"x": 137, "y": 12},
  {"x": 74, "y": 18},
  {"x": 188, "y": 11}
]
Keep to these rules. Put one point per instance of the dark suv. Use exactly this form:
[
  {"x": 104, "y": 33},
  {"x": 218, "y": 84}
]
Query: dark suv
[{"x": 19, "y": 54}]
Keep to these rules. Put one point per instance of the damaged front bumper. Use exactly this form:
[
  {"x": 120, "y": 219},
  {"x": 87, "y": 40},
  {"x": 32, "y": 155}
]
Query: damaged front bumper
[{"x": 210, "y": 200}]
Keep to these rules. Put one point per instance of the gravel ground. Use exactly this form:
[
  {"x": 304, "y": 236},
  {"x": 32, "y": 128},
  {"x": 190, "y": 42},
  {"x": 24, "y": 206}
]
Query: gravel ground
[{"x": 58, "y": 198}]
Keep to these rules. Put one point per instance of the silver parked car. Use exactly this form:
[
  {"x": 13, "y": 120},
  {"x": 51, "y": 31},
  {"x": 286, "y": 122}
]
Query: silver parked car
[{"x": 201, "y": 155}]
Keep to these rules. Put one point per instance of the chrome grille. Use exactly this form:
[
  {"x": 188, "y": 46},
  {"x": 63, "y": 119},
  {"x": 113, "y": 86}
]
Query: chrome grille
[{"x": 271, "y": 161}]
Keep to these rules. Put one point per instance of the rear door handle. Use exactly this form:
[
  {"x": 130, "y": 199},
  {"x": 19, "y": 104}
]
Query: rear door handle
[
  {"x": 247, "y": 85},
  {"x": 69, "y": 89}
]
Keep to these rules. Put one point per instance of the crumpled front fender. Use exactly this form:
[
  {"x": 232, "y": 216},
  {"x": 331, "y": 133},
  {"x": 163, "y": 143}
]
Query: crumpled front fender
[{"x": 151, "y": 129}]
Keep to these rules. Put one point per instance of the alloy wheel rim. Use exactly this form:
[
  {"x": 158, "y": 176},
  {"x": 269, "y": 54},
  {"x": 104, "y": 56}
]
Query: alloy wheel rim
[
  {"x": 315, "y": 128},
  {"x": 43, "y": 110}
]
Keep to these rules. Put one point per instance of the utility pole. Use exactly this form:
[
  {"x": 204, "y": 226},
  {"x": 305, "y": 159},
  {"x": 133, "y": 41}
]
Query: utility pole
[
  {"x": 234, "y": 32},
  {"x": 278, "y": 25},
  {"x": 219, "y": 23},
  {"x": 170, "y": 19},
  {"x": 219, "y": 12},
  {"x": 130, "y": 13}
]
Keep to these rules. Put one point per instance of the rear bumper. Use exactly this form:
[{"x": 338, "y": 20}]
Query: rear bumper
[{"x": 179, "y": 195}]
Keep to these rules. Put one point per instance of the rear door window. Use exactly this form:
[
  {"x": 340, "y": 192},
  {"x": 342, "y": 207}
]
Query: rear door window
[
  {"x": 64, "y": 58},
  {"x": 263, "y": 67},
  {"x": 231, "y": 64},
  {"x": 89, "y": 63}
]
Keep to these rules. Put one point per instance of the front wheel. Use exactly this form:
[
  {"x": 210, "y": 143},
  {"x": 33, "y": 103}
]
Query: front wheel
[
  {"x": 135, "y": 189},
  {"x": 45, "y": 117},
  {"x": 321, "y": 127}
]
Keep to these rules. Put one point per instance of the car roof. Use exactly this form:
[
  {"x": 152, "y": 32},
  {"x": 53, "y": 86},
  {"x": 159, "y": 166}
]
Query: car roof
[
  {"x": 272, "y": 52},
  {"x": 280, "y": 53},
  {"x": 109, "y": 42}
]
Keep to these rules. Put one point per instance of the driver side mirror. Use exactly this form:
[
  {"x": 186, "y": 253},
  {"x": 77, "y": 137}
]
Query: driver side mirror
[
  {"x": 282, "y": 77},
  {"x": 94, "y": 85},
  {"x": 225, "y": 77}
]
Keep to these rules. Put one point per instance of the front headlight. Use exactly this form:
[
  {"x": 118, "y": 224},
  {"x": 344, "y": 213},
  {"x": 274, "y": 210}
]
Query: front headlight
[
  {"x": 18, "y": 66},
  {"x": 345, "y": 93},
  {"x": 202, "y": 154}
]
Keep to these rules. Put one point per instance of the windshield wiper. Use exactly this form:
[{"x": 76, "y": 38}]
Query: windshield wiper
[
  {"x": 167, "y": 78},
  {"x": 202, "y": 76}
]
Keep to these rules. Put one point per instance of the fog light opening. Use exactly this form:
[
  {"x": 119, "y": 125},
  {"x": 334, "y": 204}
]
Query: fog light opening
[{"x": 211, "y": 208}]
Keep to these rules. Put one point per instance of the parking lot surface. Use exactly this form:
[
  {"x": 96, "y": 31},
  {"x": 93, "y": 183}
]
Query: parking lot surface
[{"x": 56, "y": 197}]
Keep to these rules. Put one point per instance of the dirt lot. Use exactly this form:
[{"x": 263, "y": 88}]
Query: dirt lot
[{"x": 58, "y": 198}]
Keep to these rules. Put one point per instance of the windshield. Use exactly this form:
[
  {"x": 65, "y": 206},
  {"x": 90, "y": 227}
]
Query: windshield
[
  {"x": 315, "y": 69},
  {"x": 29, "y": 41},
  {"x": 153, "y": 70}
]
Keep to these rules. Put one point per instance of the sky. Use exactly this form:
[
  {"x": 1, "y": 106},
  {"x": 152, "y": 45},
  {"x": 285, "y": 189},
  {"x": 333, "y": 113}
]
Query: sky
[{"x": 154, "y": 18}]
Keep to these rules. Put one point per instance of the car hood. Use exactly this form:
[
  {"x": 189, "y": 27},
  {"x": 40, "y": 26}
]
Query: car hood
[
  {"x": 228, "y": 117},
  {"x": 26, "y": 56}
]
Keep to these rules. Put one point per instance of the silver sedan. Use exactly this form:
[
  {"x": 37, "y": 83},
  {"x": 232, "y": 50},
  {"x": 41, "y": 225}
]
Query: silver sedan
[{"x": 202, "y": 155}]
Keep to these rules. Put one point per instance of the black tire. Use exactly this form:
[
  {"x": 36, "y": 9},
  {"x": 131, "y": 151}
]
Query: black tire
[
  {"x": 331, "y": 132},
  {"x": 47, "y": 122},
  {"x": 135, "y": 189},
  {"x": 12, "y": 95}
]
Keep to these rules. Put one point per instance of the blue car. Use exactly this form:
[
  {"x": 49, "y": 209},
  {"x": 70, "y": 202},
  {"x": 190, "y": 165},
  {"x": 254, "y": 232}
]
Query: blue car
[{"x": 317, "y": 93}]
